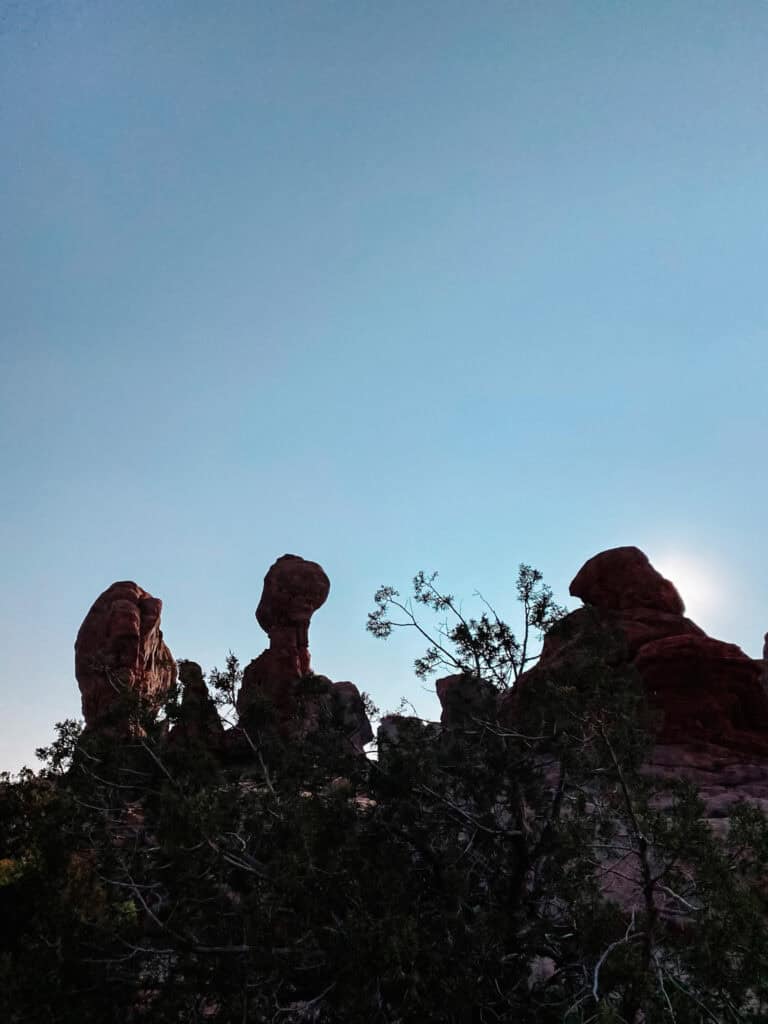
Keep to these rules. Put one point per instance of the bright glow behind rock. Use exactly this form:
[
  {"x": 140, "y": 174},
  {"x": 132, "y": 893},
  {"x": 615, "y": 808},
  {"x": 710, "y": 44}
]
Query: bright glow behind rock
[{"x": 701, "y": 587}]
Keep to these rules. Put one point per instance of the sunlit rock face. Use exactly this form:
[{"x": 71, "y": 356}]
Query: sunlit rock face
[
  {"x": 120, "y": 650},
  {"x": 294, "y": 589}
]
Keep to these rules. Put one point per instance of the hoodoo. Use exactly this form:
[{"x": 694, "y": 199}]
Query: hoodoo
[
  {"x": 120, "y": 649},
  {"x": 294, "y": 589}
]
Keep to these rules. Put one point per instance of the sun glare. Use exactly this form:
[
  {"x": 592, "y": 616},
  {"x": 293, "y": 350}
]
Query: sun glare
[{"x": 697, "y": 583}]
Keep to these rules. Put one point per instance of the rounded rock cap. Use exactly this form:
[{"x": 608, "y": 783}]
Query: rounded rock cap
[
  {"x": 622, "y": 578},
  {"x": 294, "y": 589}
]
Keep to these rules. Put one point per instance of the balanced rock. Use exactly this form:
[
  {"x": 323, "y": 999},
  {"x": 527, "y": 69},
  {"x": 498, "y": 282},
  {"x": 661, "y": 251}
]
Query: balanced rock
[
  {"x": 120, "y": 650},
  {"x": 294, "y": 588}
]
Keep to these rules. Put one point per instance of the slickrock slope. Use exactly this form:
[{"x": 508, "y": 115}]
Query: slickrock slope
[{"x": 120, "y": 648}]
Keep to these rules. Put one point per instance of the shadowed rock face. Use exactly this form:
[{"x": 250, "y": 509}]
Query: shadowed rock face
[
  {"x": 303, "y": 704},
  {"x": 702, "y": 690},
  {"x": 198, "y": 720},
  {"x": 722, "y": 776},
  {"x": 705, "y": 690},
  {"x": 463, "y": 698},
  {"x": 294, "y": 589},
  {"x": 624, "y": 578},
  {"x": 710, "y": 700},
  {"x": 350, "y": 712},
  {"x": 120, "y": 648}
]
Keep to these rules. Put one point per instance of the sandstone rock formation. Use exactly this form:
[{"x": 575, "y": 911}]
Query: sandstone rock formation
[
  {"x": 702, "y": 690},
  {"x": 721, "y": 775},
  {"x": 705, "y": 690},
  {"x": 120, "y": 650},
  {"x": 390, "y": 729},
  {"x": 301, "y": 705},
  {"x": 198, "y": 720},
  {"x": 709, "y": 699},
  {"x": 395, "y": 729},
  {"x": 294, "y": 589},
  {"x": 349, "y": 711},
  {"x": 710, "y": 707},
  {"x": 624, "y": 578},
  {"x": 462, "y": 697}
]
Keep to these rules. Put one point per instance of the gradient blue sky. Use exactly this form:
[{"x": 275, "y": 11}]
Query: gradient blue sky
[{"x": 388, "y": 285}]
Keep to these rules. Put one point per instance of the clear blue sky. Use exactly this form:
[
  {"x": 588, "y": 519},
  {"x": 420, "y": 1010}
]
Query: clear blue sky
[{"x": 388, "y": 285}]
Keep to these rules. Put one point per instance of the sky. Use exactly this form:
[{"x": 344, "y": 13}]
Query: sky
[{"x": 391, "y": 286}]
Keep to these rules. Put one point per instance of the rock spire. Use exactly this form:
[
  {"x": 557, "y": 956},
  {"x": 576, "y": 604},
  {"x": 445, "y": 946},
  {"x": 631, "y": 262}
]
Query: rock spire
[{"x": 120, "y": 651}]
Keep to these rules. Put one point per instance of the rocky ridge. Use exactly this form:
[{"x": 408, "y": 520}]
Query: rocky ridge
[{"x": 709, "y": 699}]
